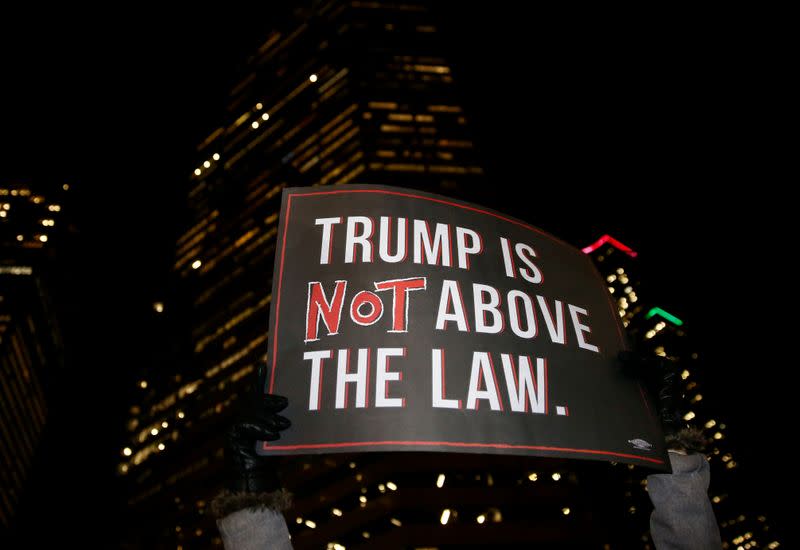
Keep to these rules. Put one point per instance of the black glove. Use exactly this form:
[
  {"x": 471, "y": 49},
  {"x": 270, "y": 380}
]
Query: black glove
[
  {"x": 660, "y": 377},
  {"x": 258, "y": 421}
]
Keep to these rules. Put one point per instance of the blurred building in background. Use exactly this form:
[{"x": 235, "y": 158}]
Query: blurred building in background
[
  {"x": 30, "y": 343},
  {"x": 354, "y": 92},
  {"x": 653, "y": 330}
]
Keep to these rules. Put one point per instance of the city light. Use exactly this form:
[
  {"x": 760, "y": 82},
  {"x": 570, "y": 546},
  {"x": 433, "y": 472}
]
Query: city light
[
  {"x": 215, "y": 156},
  {"x": 688, "y": 416},
  {"x": 481, "y": 519},
  {"x": 196, "y": 264},
  {"x": 127, "y": 451},
  {"x": 154, "y": 431},
  {"x": 440, "y": 481},
  {"x": 254, "y": 125},
  {"x": 565, "y": 511},
  {"x": 556, "y": 476},
  {"x": 668, "y": 316},
  {"x": 391, "y": 485},
  {"x": 336, "y": 512},
  {"x": 533, "y": 476},
  {"x": 160, "y": 446},
  {"x": 164, "y": 424},
  {"x": 197, "y": 171},
  {"x": 265, "y": 116},
  {"x": 259, "y": 106},
  {"x": 311, "y": 524},
  {"x": 613, "y": 242},
  {"x": 207, "y": 164},
  {"x": 313, "y": 78},
  {"x": 445, "y": 516},
  {"x": 159, "y": 307},
  {"x": 180, "y": 414},
  {"x": 20, "y": 237},
  {"x": 43, "y": 238},
  {"x": 396, "y": 522},
  {"x": 143, "y": 384}
]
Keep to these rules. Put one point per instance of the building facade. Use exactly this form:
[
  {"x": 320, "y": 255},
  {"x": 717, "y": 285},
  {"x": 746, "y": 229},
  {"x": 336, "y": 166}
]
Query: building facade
[
  {"x": 30, "y": 341},
  {"x": 655, "y": 331}
]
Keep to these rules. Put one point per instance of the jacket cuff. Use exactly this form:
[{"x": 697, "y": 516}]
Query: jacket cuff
[{"x": 227, "y": 502}]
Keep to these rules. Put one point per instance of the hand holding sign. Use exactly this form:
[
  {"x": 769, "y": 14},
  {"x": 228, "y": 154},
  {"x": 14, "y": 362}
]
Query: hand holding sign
[{"x": 258, "y": 420}]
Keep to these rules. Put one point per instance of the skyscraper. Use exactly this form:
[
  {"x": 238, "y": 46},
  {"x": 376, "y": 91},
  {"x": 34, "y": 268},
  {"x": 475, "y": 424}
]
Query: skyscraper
[
  {"x": 653, "y": 330},
  {"x": 30, "y": 343}
]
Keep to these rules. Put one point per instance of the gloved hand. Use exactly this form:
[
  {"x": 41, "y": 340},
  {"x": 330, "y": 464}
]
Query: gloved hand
[
  {"x": 258, "y": 421},
  {"x": 660, "y": 378}
]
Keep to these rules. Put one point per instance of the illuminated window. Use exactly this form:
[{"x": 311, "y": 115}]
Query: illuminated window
[{"x": 390, "y": 105}]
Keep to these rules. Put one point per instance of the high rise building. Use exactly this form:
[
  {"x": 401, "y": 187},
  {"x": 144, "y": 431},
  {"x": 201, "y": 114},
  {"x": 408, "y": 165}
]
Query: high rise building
[
  {"x": 30, "y": 343},
  {"x": 653, "y": 330}
]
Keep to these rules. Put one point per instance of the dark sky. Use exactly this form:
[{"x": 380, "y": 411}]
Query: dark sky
[{"x": 640, "y": 131}]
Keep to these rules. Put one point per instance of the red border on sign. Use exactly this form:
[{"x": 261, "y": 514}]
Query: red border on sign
[{"x": 417, "y": 443}]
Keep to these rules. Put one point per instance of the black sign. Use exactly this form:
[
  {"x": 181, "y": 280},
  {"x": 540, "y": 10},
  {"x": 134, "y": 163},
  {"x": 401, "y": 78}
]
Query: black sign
[{"x": 403, "y": 320}]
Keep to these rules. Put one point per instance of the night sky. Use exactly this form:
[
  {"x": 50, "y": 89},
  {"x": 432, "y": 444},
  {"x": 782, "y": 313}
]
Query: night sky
[{"x": 638, "y": 131}]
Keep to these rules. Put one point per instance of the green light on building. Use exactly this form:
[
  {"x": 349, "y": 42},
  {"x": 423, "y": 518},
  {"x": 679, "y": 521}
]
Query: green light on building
[{"x": 668, "y": 316}]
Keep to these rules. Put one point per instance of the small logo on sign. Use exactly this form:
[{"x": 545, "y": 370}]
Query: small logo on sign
[{"x": 640, "y": 444}]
